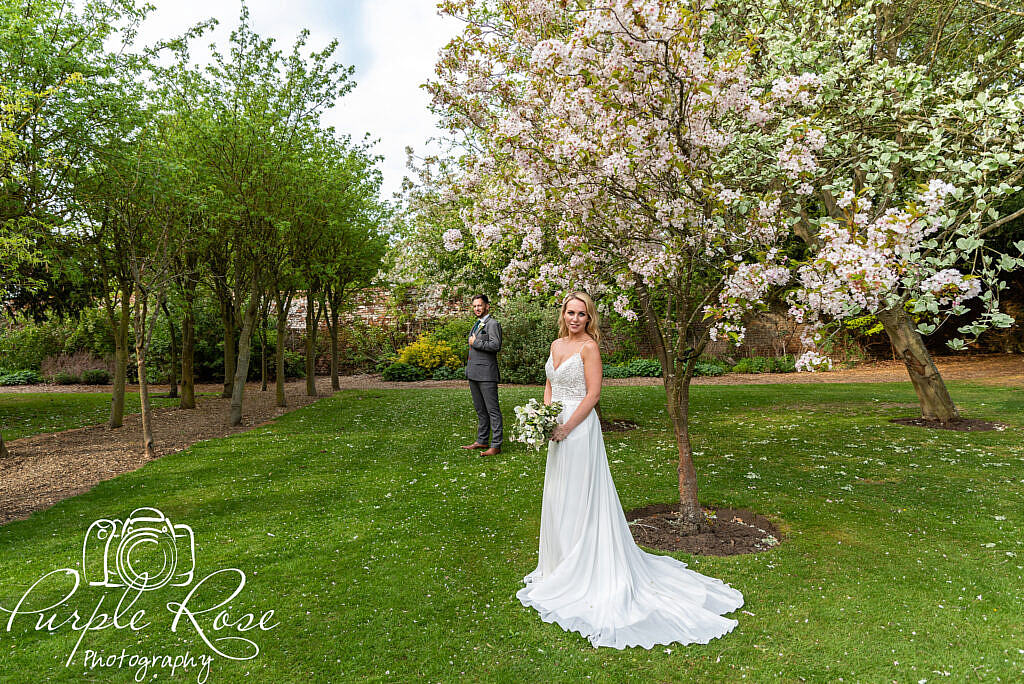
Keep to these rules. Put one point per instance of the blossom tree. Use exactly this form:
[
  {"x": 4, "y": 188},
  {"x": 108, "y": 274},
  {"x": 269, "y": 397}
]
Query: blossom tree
[
  {"x": 606, "y": 150},
  {"x": 923, "y": 93},
  {"x": 593, "y": 130}
]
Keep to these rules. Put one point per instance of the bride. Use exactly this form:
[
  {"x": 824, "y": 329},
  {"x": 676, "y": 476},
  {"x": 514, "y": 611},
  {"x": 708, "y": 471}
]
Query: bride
[{"x": 591, "y": 577}]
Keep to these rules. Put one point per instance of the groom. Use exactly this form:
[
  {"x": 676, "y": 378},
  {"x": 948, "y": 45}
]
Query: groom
[{"x": 482, "y": 373}]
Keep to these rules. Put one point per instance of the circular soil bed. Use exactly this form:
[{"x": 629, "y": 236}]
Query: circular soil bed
[
  {"x": 617, "y": 425},
  {"x": 959, "y": 425},
  {"x": 731, "y": 531}
]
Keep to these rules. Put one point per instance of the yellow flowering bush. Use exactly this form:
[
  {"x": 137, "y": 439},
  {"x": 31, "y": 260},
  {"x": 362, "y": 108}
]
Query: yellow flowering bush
[{"x": 429, "y": 354}]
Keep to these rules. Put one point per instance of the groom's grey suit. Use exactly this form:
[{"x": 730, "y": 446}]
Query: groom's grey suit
[{"x": 482, "y": 373}]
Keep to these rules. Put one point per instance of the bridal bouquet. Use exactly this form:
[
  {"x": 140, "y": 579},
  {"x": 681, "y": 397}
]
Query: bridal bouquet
[{"x": 535, "y": 422}]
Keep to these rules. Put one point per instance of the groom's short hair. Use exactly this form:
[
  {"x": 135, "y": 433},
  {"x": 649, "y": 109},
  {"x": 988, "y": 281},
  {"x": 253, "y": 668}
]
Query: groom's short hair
[{"x": 483, "y": 297}]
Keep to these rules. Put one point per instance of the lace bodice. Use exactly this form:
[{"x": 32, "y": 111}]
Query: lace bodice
[{"x": 567, "y": 381}]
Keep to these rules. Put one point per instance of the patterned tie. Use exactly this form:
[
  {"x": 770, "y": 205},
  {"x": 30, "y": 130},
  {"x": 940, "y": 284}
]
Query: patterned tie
[{"x": 475, "y": 326}]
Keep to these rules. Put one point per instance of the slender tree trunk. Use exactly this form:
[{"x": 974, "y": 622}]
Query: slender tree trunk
[
  {"x": 188, "y": 347},
  {"x": 230, "y": 356},
  {"x": 141, "y": 344},
  {"x": 242, "y": 366},
  {"x": 263, "y": 347},
  {"x": 936, "y": 403},
  {"x": 3, "y": 448},
  {"x": 333, "y": 322},
  {"x": 676, "y": 376},
  {"x": 120, "y": 363},
  {"x": 284, "y": 304},
  {"x": 691, "y": 515},
  {"x": 312, "y": 326},
  {"x": 173, "y": 381}
]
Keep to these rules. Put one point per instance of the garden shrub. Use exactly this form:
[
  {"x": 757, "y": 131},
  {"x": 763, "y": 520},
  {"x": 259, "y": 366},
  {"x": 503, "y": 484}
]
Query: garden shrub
[
  {"x": 784, "y": 364},
  {"x": 294, "y": 364},
  {"x": 403, "y": 372},
  {"x": 447, "y": 373},
  {"x": 74, "y": 363},
  {"x": 383, "y": 362},
  {"x": 21, "y": 377},
  {"x": 763, "y": 364},
  {"x": 625, "y": 337},
  {"x": 362, "y": 347},
  {"x": 454, "y": 332},
  {"x": 527, "y": 330},
  {"x": 25, "y": 346},
  {"x": 66, "y": 378},
  {"x": 635, "y": 368},
  {"x": 96, "y": 376},
  {"x": 428, "y": 354},
  {"x": 644, "y": 368},
  {"x": 90, "y": 333},
  {"x": 707, "y": 369},
  {"x": 753, "y": 364},
  {"x": 614, "y": 370}
]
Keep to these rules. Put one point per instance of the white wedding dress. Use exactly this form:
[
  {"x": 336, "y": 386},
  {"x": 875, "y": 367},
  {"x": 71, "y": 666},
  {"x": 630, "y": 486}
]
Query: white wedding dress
[{"x": 591, "y": 577}]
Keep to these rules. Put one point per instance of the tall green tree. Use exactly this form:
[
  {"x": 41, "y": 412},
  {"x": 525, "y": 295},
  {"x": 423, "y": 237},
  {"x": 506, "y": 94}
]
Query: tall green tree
[
  {"x": 68, "y": 57},
  {"x": 252, "y": 117}
]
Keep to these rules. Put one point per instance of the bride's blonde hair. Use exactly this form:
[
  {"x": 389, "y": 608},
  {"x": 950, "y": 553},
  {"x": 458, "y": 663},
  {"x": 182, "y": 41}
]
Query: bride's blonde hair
[{"x": 593, "y": 327}]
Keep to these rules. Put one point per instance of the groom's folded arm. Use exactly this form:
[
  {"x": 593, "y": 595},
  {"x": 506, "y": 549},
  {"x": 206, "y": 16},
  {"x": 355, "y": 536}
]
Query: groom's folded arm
[{"x": 486, "y": 342}]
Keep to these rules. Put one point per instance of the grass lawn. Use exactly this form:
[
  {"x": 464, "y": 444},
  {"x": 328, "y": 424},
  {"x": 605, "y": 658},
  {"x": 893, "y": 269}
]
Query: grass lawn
[
  {"x": 388, "y": 554},
  {"x": 27, "y": 414}
]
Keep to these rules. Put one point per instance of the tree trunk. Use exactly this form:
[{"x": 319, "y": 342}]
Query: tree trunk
[
  {"x": 173, "y": 381},
  {"x": 691, "y": 515},
  {"x": 333, "y": 321},
  {"x": 312, "y": 324},
  {"x": 141, "y": 344},
  {"x": 3, "y": 448},
  {"x": 188, "y": 346},
  {"x": 284, "y": 303},
  {"x": 228, "y": 318},
  {"x": 242, "y": 366},
  {"x": 936, "y": 403},
  {"x": 120, "y": 364},
  {"x": 263, "y": 348},
  {"x": 676, "y": 376}
]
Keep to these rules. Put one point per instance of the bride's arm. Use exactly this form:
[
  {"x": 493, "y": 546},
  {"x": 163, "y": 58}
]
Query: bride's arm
[
  {"x": 592, "y": 371},
  {"x": 547, "y": 382}
]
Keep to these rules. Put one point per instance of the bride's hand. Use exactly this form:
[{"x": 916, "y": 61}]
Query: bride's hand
[{"x": 560, "y": 433}]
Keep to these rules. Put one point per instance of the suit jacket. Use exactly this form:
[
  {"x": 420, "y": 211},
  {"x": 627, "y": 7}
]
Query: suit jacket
[{"x": 482, "y": 365}]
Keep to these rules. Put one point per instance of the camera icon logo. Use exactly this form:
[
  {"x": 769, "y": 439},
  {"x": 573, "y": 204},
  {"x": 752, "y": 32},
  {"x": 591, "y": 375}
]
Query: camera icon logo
[{"x": 144, "y": 552}]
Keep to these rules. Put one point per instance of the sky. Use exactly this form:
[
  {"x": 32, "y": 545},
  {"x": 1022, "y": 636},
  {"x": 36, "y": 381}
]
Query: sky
[{"x": 392, "y": 44}]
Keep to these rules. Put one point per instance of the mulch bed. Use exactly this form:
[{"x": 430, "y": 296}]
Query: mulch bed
[
  {"x": 47, "y": 468},
  {"x": 959, "y": 425},
  {"x": 731, "y": 531}
]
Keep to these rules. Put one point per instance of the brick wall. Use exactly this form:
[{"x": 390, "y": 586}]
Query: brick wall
[{"x": 768, "y": 334}]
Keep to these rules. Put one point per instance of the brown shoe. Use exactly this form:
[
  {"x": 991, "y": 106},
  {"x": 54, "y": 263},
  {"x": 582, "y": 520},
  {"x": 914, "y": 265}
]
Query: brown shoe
[
  {"x": 474, "y": 445},
  {"x": 493, "y": 451}
]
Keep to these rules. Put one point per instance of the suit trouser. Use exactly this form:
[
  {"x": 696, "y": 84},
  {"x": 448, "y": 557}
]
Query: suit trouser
[{"x": 485, "y": 401}]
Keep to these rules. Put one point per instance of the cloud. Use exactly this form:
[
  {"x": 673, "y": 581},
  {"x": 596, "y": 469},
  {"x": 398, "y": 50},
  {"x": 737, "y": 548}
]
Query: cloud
[
  {"x": 392, "y": 44},
  {"x": 404, "y": 37}
]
